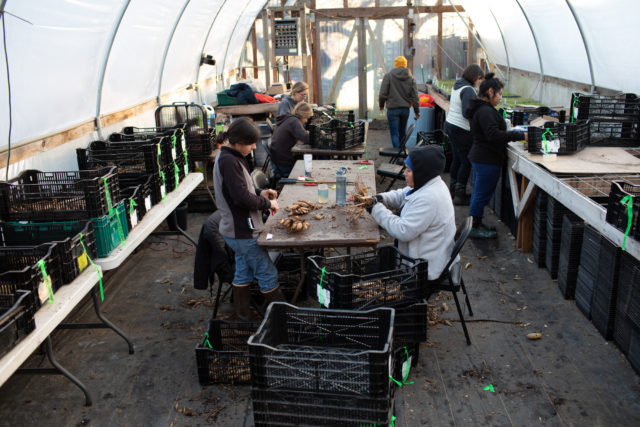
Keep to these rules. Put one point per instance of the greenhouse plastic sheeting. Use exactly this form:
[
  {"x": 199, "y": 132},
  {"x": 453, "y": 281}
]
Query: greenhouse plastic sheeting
[{"x": 610, "y": 29}]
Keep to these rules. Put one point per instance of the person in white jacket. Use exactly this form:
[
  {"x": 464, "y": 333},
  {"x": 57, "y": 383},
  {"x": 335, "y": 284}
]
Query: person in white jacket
[{"x": 425, "y": 224}]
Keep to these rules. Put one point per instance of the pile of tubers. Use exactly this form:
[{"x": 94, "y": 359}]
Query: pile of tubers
[
  {"x": 361, "y": 200},
  {"x": 302, "y": 207},
  {"x": 294, "y": 223}
]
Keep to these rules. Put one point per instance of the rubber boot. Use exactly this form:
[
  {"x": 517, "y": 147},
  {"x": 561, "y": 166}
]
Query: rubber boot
[
  {"x": 241, "y": 301},
  {"x": 460, "y": 198},
  {"x": 479, "y": 231},
  {"x": 273, "y": 295},
  {"x": 452, "y": 187}
]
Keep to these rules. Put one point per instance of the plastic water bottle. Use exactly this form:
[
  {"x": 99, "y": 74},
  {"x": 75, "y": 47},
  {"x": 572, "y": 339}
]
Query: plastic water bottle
[
  {"x": 341, "y": 186},
  {"x": 211, "y": 120}
]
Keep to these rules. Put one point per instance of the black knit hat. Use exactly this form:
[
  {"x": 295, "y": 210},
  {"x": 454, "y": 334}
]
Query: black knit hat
[{"x": 428, "y": 162}]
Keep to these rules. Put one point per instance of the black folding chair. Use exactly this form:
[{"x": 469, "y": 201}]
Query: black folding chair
[
  {"x": 401, "y": 150},
  {"x": 451, "y": 280},
  {"x": 395, "y": 168}
]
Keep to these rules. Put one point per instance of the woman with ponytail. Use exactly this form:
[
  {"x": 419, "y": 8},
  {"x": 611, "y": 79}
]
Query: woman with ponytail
[
  {"x": 487, "y": 154},
  {"x": 241, "y": 220}
]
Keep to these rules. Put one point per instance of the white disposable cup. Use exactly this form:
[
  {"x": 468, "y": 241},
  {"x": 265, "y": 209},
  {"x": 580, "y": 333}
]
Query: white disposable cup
[{"x": 308, "y": 164}]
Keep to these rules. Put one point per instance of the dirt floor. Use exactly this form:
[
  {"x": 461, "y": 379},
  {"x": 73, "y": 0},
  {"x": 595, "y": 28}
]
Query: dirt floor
[{"x": 571, "y": 376}]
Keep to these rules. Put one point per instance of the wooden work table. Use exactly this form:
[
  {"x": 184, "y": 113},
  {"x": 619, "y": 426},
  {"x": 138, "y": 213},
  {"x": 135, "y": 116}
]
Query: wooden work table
[{"x": 334, "y": 229}]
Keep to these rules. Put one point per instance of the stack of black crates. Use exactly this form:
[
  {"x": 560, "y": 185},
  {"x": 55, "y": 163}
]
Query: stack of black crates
[
  {"x": 626, "y": 332},
  {"x": 47, "y": 239},
  {"x": 314, "y": 366},
  {"x": 540, "y": 228},
  {"x": 570, "y": 247},
  {"x": 605, "y": 287},
  {"x": 614, "y": 120},
  {"x": 555, "y": 213},
  {"x": 588, "y": 269},
  {"x": 337, "y": 134}
]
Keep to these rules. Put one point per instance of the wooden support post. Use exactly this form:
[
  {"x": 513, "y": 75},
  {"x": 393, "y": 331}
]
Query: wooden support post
[
  {"x": 470, "y": 56},
  {"x": 439, "y": 39},
  {"x": 525, "y": 221},
  {"x": 362, "y": 69},
  {"x": 254, "y": 49},
  {"x": 267, "y": 49},
  {"x": 315, "y": 55},
  {"x": 303, "y": 44},
  {"x": 336, "y": 78}
]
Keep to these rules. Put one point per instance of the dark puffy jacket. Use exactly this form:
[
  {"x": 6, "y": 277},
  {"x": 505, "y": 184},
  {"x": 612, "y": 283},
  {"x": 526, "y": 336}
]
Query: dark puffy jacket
[
  {"x": 244, "y": 93},
  {"x": 490, "y": 135},
  {"x": 288, "y": 130}
]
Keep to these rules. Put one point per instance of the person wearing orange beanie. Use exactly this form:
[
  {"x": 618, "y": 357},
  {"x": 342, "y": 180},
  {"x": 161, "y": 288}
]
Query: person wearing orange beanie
[{"x": 399, "y": 92}]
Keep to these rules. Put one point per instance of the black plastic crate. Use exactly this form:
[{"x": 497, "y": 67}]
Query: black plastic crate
[
  {"x": 168, "y": 151},
  {"x": 194, "y": 117},
  {"x": 223, "y": 354},
  {"x": 200, "y": 145},
  {"x": 133, "y": 205},
  {"x": 16, "y": 319},
  {"x": 618, "y": 213},
  {"x": 319, "y": 350},
  {"x": 176, "y": 134},
  {"x": 59, "y": 196},
  {"x": 622, "y": 331},
  {"x": 292, "y": 409},
  {"x": 572, "y": 137},
  {"x": 19, "y": 270},
  {"x": 590, "y": 249},
  {"x": 174, "y": 174},
  {"x": 132, "y": 158},
  {"x": 410, "y": 325},
  {"x": 555, "y": 212},
  {"x": 634, "y": 350},
  {"x": 381, "y": 277},
  {"x": 336, "y": 134},
  {"x": 154, "y": 182},
  {"x": 614, "y": 119},
  {"x": 75, "y": 242}
]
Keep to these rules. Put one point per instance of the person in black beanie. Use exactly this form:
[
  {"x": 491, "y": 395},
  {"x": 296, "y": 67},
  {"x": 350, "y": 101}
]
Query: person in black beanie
[
  {"x": 487, "y": 154},
  {"x": 425, "y": 226}
]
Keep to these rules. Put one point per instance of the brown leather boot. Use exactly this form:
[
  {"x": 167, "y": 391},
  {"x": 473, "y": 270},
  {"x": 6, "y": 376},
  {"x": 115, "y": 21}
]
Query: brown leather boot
[
  {"x": 273, "y": 295},
  {"x": 241, "y": 301}
]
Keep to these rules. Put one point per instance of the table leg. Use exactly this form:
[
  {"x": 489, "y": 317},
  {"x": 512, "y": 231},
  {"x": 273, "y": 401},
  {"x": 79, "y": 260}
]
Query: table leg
[
  {"x": 57, "y": 370},
  {"x": 303, "y": 273},
  {"x": 106, "y": 323},
  {"x": 178, "y": 231}
]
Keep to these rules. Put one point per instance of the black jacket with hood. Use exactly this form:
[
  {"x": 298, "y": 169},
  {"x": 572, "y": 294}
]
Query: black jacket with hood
[
  {"x": 490, "y": 135},
  {"x": 289, "y": 129},
  {"x": 399, "y": 90}
]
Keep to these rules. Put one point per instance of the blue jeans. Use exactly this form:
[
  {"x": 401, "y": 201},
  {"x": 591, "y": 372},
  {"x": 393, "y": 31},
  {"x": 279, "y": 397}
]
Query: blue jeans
[
  {"x": 397, "y": 118},
  {"x": 460, "y": 141},
  {"x": 253, "y": 262},
  {"x": 485, "y": 179},
  {"x": 280, "y": 171}
]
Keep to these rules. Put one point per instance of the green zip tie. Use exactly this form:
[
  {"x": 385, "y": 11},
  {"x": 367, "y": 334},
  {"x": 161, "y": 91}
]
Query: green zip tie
[
  {"x": 108, "y": 193},
  {"x": 321, "y": 299},
  {"x": 95, "y": 267},
  {"x": 47, "y": 279},
  {"x": 206, "y": 339},
  {"x": 544, "y": 140},
  {"x": 363, "y": 167},
  {"x": 404, "y": 380},
  {"x": 628, "y": 202},
  {"x": 176, "y": 172},
  {"x": 504, "y": 114},
  {"x": 164, "y": 183},
  {"x": 120, "y": 230},
  {"x": 132, "y": 206},
  {"x": 573, "y": 106},
  {"x": 186, "y": 163},
  {"x": 393, "y": 421}
]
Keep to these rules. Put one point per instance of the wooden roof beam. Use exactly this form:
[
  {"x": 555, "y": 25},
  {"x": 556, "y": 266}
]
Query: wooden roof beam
[{"x": 391, "y": 12}]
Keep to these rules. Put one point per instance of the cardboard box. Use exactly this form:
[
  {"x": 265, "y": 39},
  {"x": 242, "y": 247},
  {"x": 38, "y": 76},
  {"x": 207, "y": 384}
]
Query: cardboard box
[{"x": 275, "y": 89}]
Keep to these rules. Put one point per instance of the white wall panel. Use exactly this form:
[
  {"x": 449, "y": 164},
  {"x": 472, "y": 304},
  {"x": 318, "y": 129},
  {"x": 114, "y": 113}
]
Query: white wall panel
[
  {"x": 237, "y": 39},
  {"x": 54, "y": 64},
  {"x": 132, "y": 71}
]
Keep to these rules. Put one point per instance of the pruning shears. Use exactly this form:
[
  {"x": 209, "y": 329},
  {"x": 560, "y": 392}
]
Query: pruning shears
[{"x": 363, "y": 162}]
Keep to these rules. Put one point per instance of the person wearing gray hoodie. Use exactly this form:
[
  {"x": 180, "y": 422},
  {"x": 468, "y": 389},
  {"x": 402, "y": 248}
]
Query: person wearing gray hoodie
[{"x": 399, "y": 92}]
